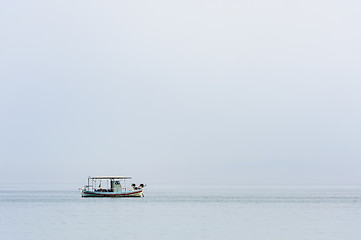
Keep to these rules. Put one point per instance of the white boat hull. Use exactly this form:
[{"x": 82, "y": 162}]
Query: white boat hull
[{"x": 135, "y": 193}]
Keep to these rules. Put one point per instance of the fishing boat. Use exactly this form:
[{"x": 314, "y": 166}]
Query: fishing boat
[{"x": 114, "y": 186}]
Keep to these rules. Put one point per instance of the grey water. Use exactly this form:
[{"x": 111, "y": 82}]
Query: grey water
[{"x": 183, "y": 212}]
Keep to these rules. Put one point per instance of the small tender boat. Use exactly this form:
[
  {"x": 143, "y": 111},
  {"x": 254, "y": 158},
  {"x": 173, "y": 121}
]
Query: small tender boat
[{"x": 115, "y": 187}]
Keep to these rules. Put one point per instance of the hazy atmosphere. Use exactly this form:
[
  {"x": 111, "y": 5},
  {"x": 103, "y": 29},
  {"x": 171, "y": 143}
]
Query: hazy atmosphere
[{"x": 206, "y": 92}]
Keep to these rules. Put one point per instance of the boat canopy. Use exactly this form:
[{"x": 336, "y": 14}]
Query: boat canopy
[{"x": 111, "y": 177}]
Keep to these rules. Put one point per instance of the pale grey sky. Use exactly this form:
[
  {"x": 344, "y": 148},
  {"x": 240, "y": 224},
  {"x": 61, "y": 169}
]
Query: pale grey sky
[{"x": 241, "y": 92}]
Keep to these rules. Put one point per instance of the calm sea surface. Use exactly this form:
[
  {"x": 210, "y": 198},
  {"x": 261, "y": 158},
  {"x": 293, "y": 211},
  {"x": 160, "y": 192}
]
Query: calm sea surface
[{"x": 184, "y": 212}]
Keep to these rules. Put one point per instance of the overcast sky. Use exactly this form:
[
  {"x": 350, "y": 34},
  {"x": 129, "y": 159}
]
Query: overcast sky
[{"x": 191, "y": 91}]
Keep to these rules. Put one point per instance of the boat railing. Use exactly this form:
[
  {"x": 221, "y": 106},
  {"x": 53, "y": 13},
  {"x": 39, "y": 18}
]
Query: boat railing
[{"x": 92, "y": 188}]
